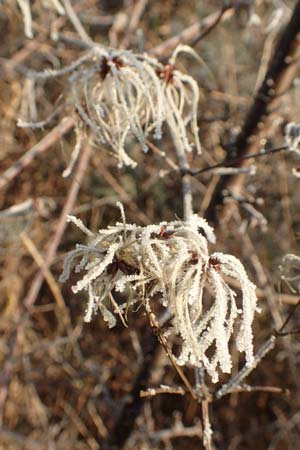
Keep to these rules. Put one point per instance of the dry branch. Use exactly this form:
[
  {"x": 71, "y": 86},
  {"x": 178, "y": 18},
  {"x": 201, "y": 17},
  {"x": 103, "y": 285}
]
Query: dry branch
[
  {"x": 279, "y": 76},
  {"x": 192, "y": 34},
  {"x": 61, "y": 226},
  {"x": 51, "y": 138}
]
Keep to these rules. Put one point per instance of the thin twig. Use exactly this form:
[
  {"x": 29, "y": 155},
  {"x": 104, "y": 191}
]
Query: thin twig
[
  {"x": 63, "y": 310},
  {"x": 170, "y": 390},
  {"x": 51, "y": 138},
  {"x": 187, "y": 195},
  {"x": 282, "y": 333},
  {"x": 155, "y": 328},
  {"x": 61, "y": 226},
  {"x": 76, "y": 23},
  {"x": 163, "y": 155},
  {"x": 193, "y": 33},
  {"x": 234, "y": 161},
  {"x": 210, "y": 26},
  {"x": 271, "y": 389},
  {"x": 136, "y": 15},
  {"x": 207, "y": 431},
  {"x": 235, "y": 382}
]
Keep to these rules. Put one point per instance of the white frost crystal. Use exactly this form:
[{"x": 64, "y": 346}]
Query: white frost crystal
[{"x": 170, "y": 262}]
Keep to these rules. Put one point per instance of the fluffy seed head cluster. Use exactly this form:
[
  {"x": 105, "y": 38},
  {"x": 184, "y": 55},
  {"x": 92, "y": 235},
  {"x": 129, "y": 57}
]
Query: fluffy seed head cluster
[
  {"x": 169, "y": 262},
  {"x": 123, "y": 96},
  {"x": 131, "y": 96}
]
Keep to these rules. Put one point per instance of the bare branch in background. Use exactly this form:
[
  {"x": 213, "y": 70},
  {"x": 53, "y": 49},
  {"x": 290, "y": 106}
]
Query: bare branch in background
[{"x": 278, "y": 78}]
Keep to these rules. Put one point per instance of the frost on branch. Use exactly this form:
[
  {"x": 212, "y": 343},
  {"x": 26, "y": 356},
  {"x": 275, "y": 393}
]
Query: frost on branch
[
  {"x": 122, "y": 96},
  {"x": 290, "y": 271},
  {"x": 292, "y": 136},
  {"x": 170, "y": 262}
]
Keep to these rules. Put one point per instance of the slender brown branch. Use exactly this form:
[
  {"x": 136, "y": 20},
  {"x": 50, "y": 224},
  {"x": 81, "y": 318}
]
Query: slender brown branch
[
  {"x": 280, "y": 332},
  {"x": 61, "y": 226},
  {"x": 155, "y": 328},
  {"x": 192, "y": 34},
  {"x": 170, "y": 390},
  {"x": 237, "y": 161},
  {"x": 51, "y": 138},
  {"x": 136, "y": 15},
  {"x": 210, "y": 26}
]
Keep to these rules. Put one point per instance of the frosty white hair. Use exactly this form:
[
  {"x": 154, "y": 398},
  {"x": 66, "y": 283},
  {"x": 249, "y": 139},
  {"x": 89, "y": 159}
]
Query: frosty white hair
[
  {"x": 120, "y": 95},
  {"x": 169, "y": 261}
]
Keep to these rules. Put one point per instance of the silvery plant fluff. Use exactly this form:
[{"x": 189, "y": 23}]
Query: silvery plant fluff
[
  {"x": 171, "y": 262},
  {"x": 122, "y": 96}
]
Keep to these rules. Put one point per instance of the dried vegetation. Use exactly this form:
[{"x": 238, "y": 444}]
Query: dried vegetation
[{"x": 66, "y": 385}]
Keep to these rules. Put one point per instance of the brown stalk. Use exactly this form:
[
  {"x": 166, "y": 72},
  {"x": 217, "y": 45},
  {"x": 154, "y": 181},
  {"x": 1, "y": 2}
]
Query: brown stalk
[{"x": 162, "y": 340}]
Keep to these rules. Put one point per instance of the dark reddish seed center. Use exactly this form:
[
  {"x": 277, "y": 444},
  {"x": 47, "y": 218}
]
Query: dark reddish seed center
[
  {"x": 105, "y": 67},
  {"x": 167, "y": 73},
  {"x": 214, "y": 262}
]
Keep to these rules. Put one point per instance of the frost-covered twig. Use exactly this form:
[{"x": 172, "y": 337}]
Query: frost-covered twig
[
  {"x": 76, "y": 22},
  {"x": 292, "y": 137},
  {"x": 236, "y": 381},
  {"x": 25, "y": 8},
  {"x": 163, "y": 389},
  {"x": 290, "y": 271},
  {"x": 207, "y": 431}
]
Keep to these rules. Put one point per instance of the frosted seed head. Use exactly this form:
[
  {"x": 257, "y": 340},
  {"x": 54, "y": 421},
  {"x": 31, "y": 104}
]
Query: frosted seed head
[{"x": 171, "y": 261}]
